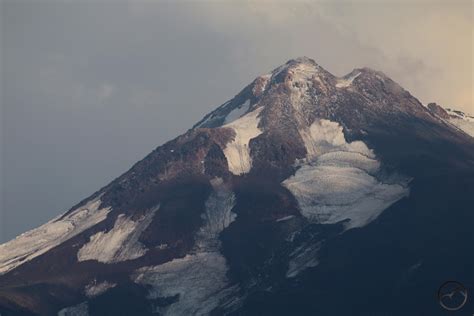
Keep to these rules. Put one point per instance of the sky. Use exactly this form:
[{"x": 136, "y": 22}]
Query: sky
[{"x": 90, "y": 87}]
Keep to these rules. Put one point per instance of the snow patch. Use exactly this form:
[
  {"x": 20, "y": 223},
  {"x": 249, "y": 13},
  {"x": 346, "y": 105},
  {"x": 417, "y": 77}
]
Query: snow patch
[
  {"x": 461, "y": 121},
  {"x": 282, "y": 219},
  {"x": 346, "y": 81},
  {"x": 199, "y": 279},
  {"x": 466, "y": 125},
  {"x": 331, "y": 194},
  {"x": 217, "y": 217},
  {"x": 211, "y": 116},
  {"x": 237, "y": 151},
  {"x": 415, "y": 266},
  {"x": 38, "y": 241},
  {"x": 77, "y": 310},
  {"x": 237, "y": 112},
  {"x": 324, "y": 136},
  {"x": 303, "y": 257},
  {"x": 118, "y": 244},
  {"x": 336, "y": 182},
  {"x": 459, "y": 114},
  {"x": 95, "y": 289}
]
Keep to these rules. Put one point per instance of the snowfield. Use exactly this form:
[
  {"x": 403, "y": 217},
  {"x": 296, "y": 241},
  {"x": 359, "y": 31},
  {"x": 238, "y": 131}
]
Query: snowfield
[
  {"x": 466, "y": 126},
  {"x": 95, "y": 289},
  {"x": 217, "y": 217},
  {"x": 77, "y": 310},
  {"x": 346, "y": 81},
  {"x": 237, "y": 112},
  {"x": 303, "y": 257},
  {"x": 463, "y": 122},
  {"x": 199, "y": 279},
  {"x": 324, "y": 136},
  {"x": 38, "y": 241},
  {"x": 237, "y": 151},
  {"x": 285, "y": 218},
  {"x": 337, "y": 180},
  {"x": 120, "y": 243}
]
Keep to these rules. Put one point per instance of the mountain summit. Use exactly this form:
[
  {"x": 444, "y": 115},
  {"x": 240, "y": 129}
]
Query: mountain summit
[
  {"x": 302, "y": 87},
  {"x": 304, "y": 194}
]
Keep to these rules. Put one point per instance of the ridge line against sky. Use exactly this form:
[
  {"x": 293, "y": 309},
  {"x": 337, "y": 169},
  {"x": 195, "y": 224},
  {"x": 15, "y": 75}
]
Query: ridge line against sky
[{"x": 92, "y": 87}]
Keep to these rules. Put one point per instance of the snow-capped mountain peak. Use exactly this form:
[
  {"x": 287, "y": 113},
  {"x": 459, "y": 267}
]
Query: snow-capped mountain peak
[{"x": 301, "y": 180}]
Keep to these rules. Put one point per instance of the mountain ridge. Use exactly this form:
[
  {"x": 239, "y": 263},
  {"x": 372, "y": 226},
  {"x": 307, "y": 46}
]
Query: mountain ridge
[{"x": 258, "y": 191}]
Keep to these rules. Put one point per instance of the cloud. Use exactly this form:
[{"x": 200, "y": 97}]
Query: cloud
[{"x": 426, "y": 45}]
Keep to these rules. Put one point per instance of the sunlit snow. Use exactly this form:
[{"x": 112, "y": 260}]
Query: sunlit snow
[
  {"x": 346, "y": 81},
  {"x": 121, "y": 243},
  {"x": 95, "y": 289},
  {"x": 337, "y": 181},
  {"x": 463, "y": 122},
  {"x": 38, "y": 241},
  {"x": 237, "y": 151},
  {"x": 465, "y": 125}
]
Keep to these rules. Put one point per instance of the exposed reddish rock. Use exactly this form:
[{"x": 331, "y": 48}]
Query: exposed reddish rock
[{"x": 438, "y": 110}]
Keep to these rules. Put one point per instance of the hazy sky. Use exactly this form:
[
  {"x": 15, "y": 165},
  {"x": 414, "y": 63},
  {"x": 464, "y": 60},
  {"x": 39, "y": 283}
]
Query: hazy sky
[{"x": 90, "y": 87}]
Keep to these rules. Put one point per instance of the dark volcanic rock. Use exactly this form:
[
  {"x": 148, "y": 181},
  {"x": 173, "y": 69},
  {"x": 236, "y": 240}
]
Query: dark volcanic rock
[{"x": 438, "y": 110}]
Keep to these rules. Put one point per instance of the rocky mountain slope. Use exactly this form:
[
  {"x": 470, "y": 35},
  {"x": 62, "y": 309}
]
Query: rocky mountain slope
[
  {"x": 304, "y": 194},
  {"x": 459, "y": 119}
]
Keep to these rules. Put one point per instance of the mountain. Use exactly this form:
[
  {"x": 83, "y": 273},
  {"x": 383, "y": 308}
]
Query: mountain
[
  {"x": 457, "y": 118},
  {"x": 304, "y": 194}
]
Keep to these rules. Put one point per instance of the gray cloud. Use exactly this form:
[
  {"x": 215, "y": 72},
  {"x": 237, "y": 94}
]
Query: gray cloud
[{"x": 91, "y": 87}]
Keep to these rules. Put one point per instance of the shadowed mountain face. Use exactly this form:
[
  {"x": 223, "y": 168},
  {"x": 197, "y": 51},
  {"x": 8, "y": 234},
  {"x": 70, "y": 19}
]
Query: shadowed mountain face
[{"x": 305, "y": 194}]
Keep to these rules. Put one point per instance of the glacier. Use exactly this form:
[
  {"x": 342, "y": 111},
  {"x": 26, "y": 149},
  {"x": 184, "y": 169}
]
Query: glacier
[
  {"x": 38, "y": 241},
  {"x": 199, "y": 279},
  {"x": 337, "y": 181},
  {"x": 121, "y": 243}
]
